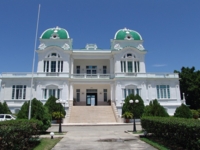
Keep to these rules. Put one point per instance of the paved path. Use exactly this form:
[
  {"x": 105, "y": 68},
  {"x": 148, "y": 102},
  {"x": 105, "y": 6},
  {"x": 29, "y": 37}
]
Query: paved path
[{"x": 99, "y": 138}]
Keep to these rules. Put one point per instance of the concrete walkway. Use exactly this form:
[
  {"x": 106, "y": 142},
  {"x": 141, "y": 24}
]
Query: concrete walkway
[{"x": 109, "y": 137}]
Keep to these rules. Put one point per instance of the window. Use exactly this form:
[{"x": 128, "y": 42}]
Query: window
[
  {"x": 129, "y": 55},
  {"x": 53, "y": 66},
  {"x": 104, "y": 69},
  {"x": 19, "y": 92},
  {"x": 130, "y": 66},
  {"x": 78, "y": 95},
  {"x": 53, "y": 54},
  {"x": 78, "y": 69},
  {"x": 91, "y": 69},
  {"x": 163, "y": 91},
  {"x": 127, "y": 91},
  {"x": 105, "y": 95},
  {"x": 51, "y": 92}
]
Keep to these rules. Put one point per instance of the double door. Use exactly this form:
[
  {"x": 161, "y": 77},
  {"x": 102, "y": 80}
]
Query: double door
[{"x": 91, "y": 99}]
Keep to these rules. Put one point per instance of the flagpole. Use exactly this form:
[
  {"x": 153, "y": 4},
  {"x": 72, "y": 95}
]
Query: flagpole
[{"x": 33, "y": 65}]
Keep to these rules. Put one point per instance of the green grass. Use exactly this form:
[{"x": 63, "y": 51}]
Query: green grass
[
  {"x": 154, "y": 144},
  {"x": 47, "y": 143}
]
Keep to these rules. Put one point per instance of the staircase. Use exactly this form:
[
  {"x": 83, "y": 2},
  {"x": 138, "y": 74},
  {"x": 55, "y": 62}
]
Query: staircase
[{"x": 91, "y": 114}]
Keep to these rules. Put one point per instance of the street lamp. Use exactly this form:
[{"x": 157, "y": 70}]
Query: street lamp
[
  {"x": 133, "y": 102},
  {"x": 61, "y": 102}
]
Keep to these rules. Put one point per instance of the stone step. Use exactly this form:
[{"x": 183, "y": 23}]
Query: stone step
[{"x": 91, "y": 114}]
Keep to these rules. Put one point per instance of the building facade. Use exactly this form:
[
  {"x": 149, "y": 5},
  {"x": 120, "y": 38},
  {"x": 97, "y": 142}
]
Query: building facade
[{"x": 90, "y": 76}]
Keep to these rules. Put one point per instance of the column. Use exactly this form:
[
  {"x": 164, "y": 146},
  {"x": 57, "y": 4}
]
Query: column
[
  {"x": 111, "y": 66},
  {"x": 49, "y": 66},
  {"x": 111, "y": 91},
  {"x": 56, "y": 65},
  {"x": 71, "y": 92},
  {"x": 133, "y": 66},
  {"x": 72, "y": 66},
  {"x": 126, "y": 65}
]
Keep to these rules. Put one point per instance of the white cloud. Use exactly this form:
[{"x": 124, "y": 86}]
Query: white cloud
[{"x": 159, "y": 65}]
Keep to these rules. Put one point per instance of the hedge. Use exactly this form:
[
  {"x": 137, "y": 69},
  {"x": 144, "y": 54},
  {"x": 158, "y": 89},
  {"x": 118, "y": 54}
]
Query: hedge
[
  {"x": 185, "y": 132},
  {"x": 19, "y": 134}
]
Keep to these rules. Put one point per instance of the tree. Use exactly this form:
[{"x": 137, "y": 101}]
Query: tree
[
  {"x": 138, "y": 108},
  {"x": 53, "y": 106},
  {"x": 4, "y": 108},
  {"x": 155, "y": 109},
  {"x": 183, "y": 112},
  {"x": 1, "y": 108},
  {"x": 189, "y": 84},
  {"x": 38, "y": 111}
]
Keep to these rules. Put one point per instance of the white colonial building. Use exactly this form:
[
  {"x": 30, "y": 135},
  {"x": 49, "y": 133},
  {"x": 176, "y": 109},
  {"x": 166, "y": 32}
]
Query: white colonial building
[{"x": 91, "y": 76}]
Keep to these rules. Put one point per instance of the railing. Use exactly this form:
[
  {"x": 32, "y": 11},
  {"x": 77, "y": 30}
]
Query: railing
[
  {"x": 90, "y": 76},
  {"x": 105, "y": 76}
]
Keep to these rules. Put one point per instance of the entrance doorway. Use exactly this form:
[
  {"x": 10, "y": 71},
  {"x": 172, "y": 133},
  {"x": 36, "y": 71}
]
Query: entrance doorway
[{"x": 91, "y": 97}]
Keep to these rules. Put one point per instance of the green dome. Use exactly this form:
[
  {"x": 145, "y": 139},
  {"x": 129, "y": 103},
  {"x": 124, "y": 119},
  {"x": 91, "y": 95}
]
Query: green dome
[
  {"x": 127, "y": 34},
  {"x": 55, "y": 33}
]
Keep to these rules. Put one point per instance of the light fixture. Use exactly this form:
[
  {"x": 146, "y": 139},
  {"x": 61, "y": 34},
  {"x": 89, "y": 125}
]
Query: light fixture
[
  {"x": 82, "y": 92},
  {"x": 52, "y": 134}
]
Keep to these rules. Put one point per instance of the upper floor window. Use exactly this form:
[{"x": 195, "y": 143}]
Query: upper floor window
[
  {"x": 91, "y": 69},
  {"x": 78, "y": 69},
  {"x": 104, "y": 69},
  {"x": 53, "y": 63},
  {"x": 19, "y": 92},
  {"x": 129, "y": 63},
  {"x": 53, "y": 55}
]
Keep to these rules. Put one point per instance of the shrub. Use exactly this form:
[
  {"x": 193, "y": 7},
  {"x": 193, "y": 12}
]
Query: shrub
[
  {"x": 38, "y": 111},
  {"x": 183, "y": 112},
  {"x": 19, "y": 134},
  {"x": 195, "y": 114},
  {"x": 155, "y": 109},
  {"x": 53, "y": 106},
  {"x": 138, "y": 108},
  {"x": 181, "y": 131}
]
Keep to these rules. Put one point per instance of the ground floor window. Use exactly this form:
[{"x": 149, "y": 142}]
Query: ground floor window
[
  {"x": 163, "y": 91},
  {"x": 19, "y": 92},
  {"x": 78, "y": 95},
  {"x": 126, "y": 92},
  {"x": 51, "y": 92}
]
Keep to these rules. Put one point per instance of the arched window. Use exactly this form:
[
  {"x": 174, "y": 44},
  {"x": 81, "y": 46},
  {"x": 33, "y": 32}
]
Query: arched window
[
  {"x": 130, "y": 89},
  {"x": 129, "y": 63},
  {"x": 51, "y": 90},
  {"x": 53, "y": 63}
]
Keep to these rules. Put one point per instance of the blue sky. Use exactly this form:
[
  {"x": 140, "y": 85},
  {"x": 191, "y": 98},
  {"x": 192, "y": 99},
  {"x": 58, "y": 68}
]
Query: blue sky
[{"x": 170, "y": 28}]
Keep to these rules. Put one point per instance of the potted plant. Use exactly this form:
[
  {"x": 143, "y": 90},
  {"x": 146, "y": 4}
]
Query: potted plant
[
  {"x": 127, "y": 116},
  {"x": 57, "y": 115},
  {"x": 109, "y": 102}
]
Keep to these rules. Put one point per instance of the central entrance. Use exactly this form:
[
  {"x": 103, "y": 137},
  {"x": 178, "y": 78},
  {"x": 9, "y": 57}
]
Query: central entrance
[{"x": 91, "y": 97}]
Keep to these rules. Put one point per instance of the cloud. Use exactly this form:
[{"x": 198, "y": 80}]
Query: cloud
[{"x": 159, "y": 65}]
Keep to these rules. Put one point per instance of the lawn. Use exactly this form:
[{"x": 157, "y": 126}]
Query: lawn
[{"x": 47, "y": 143}]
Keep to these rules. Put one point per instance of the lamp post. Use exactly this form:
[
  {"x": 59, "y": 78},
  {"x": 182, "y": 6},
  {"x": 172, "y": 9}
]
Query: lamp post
[
  {"x": 61, "y": 102},
  {"x": 133, "y": 103}
]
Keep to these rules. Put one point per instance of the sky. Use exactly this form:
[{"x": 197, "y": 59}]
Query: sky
[{"x": 170, "y": 29}]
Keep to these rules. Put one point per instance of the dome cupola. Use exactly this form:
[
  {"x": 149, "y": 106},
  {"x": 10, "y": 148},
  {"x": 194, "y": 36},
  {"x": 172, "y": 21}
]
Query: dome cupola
[
  {"x": 127, "y": 34},
  {"x": 55, "y": 33}
]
